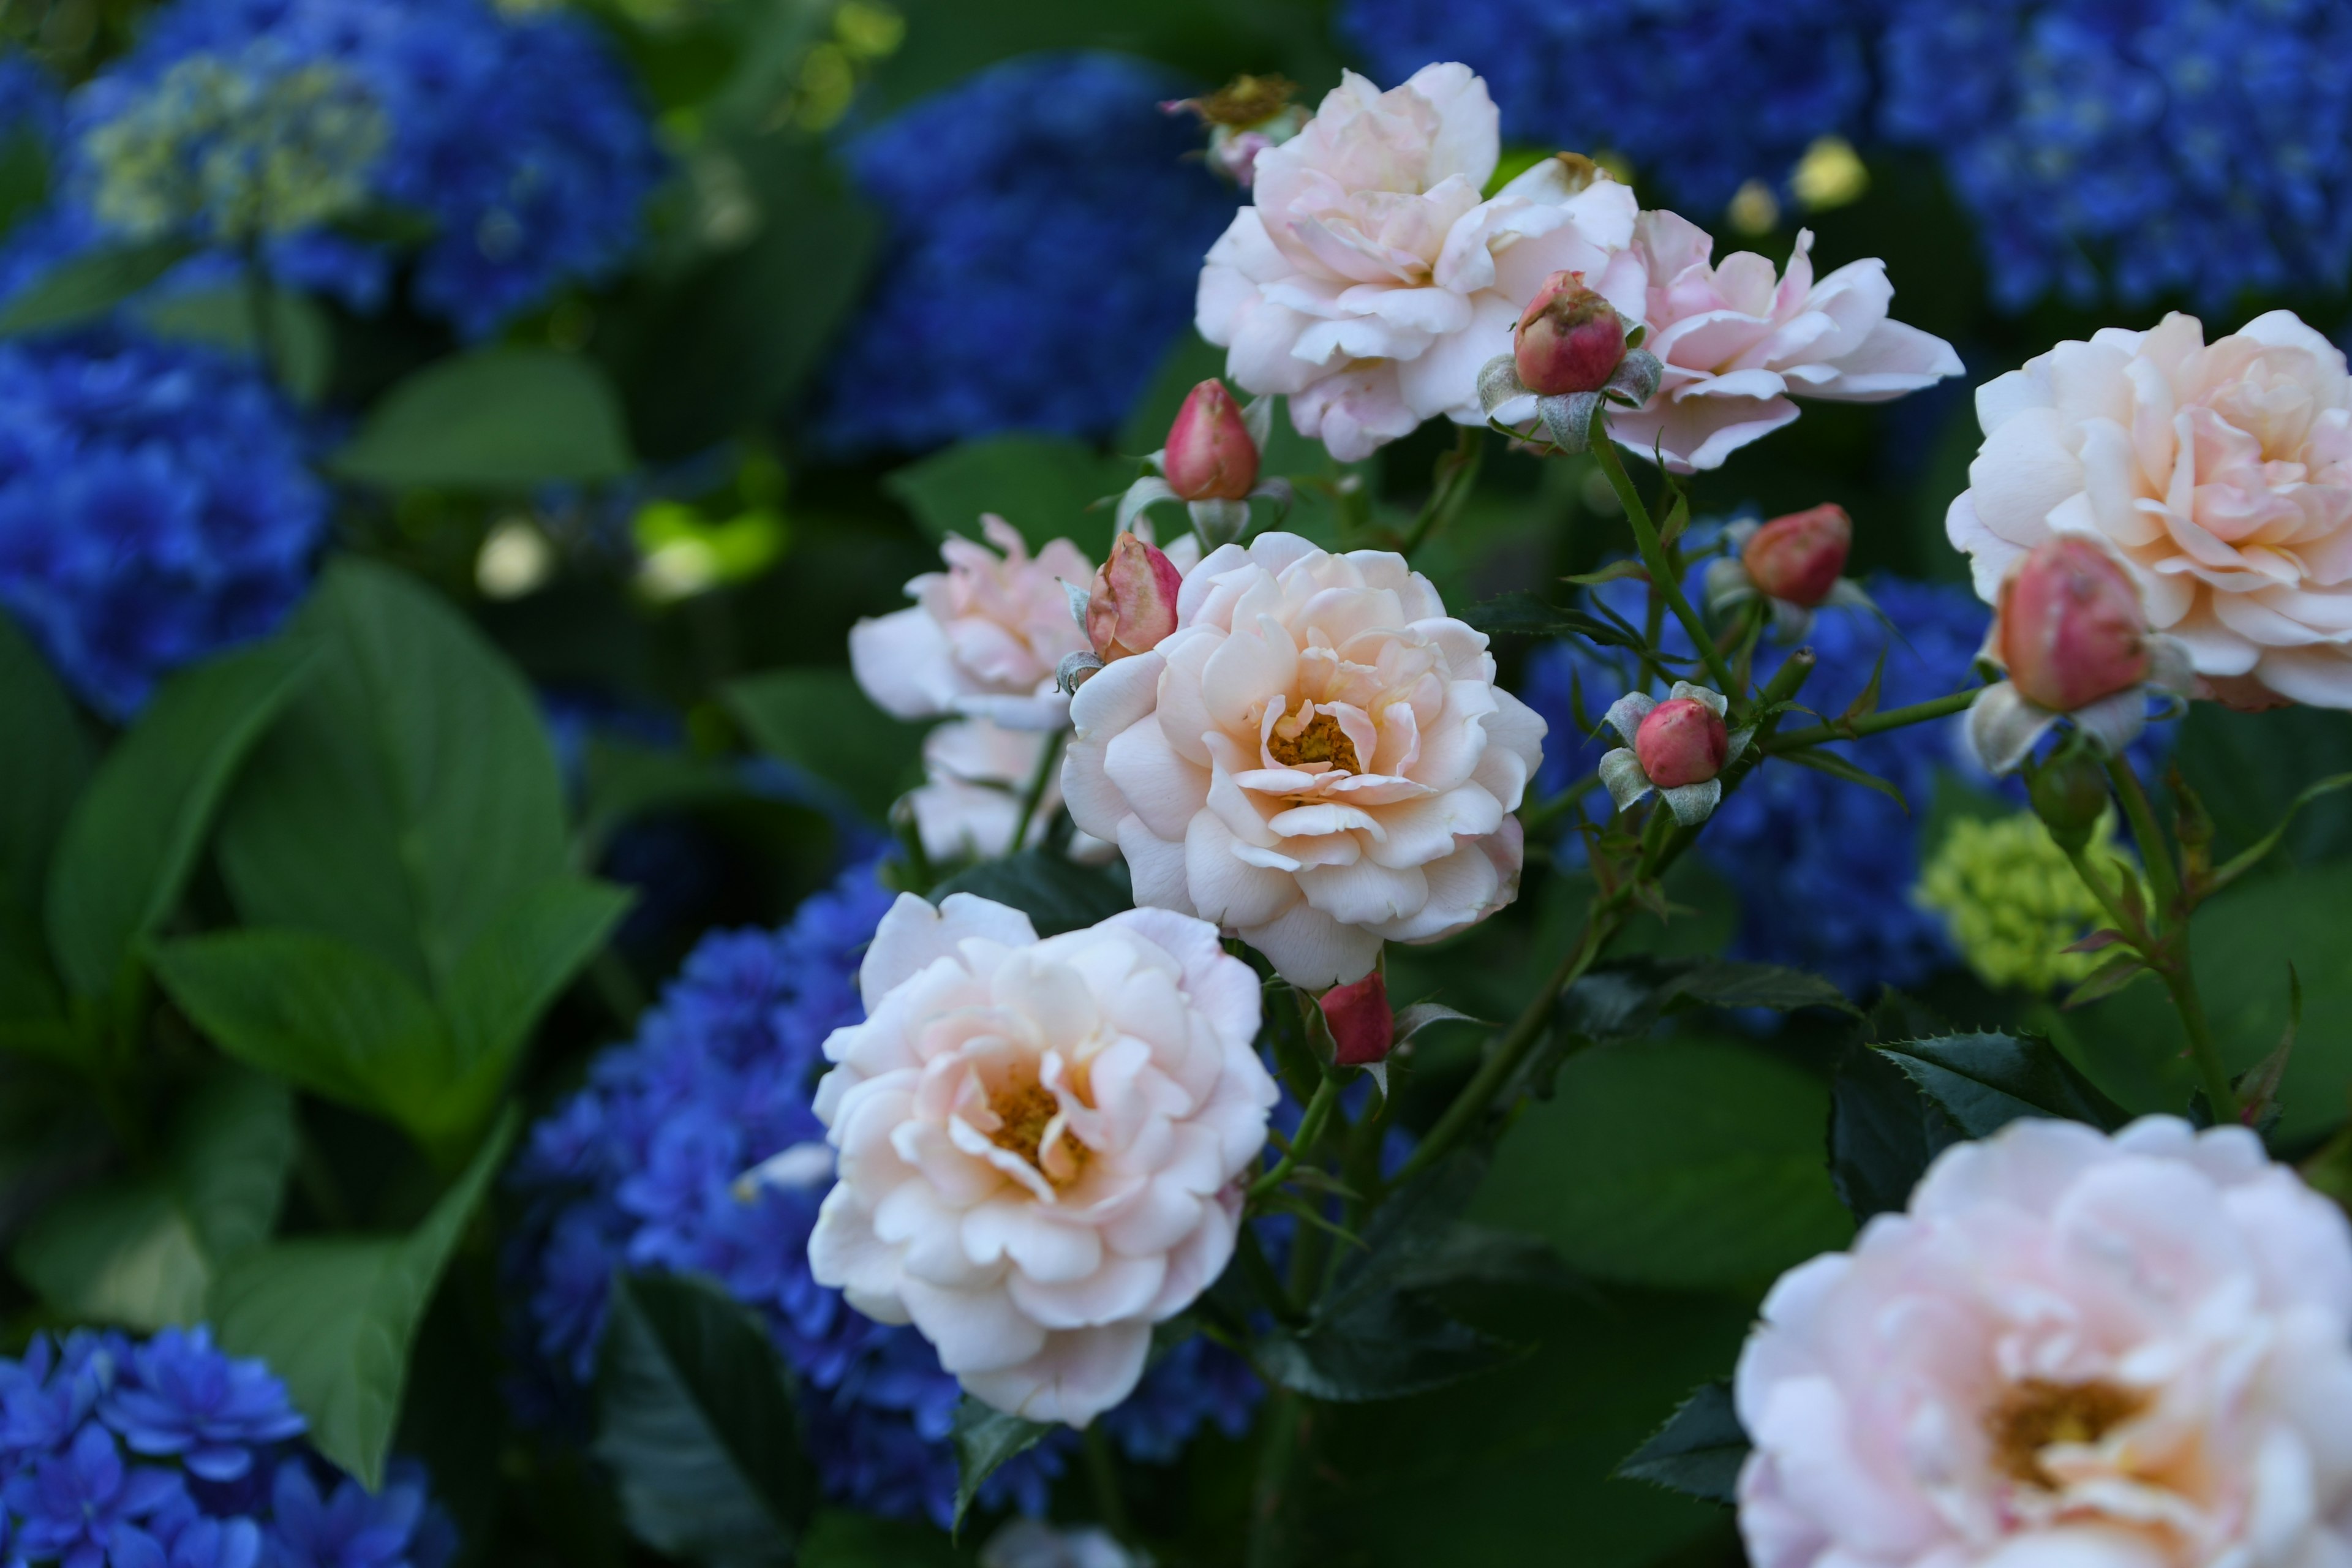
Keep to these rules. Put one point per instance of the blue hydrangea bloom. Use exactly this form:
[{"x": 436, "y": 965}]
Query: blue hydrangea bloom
[
  {"x": 518, "y": 138},
  {"x": 645, "y": 1168},
  {"x": 154, "y": 508},
  {"x": 2175, "y": 146},
  {"x": 234, "y": 1486},
  {"x": 185, "y": 1398},
  {"x": 1702, "y": 95},
  {"x": 1047, "y": 231}
]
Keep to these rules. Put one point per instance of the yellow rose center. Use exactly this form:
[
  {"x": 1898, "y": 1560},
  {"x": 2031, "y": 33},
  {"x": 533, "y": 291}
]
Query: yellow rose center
[
  {"x": 1319, "y": 741},
  {"x": 2036, "y": 1413},
  {"x": 1023, "y": 1111}
]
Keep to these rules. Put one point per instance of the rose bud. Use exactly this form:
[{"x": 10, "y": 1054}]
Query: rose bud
[
  {"x": 1683, "y": 741},
  {"x": 1799, "y": 557},
  {"x": 1210, "y": 455},
  {"x": 1133, "y": 601},
  {"x": 2071, "y": 628},
  {"x": 1362, "y": 1028},
  {"x": 1568, "y": 340}
]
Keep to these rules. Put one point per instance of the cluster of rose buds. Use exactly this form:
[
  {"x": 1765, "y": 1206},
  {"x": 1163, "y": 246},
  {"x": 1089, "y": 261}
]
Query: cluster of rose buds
[
  {"x": 1571, "y": 354},
  {"x": 2070, "y": 633},
  {"x": 1794, "y": 563}
]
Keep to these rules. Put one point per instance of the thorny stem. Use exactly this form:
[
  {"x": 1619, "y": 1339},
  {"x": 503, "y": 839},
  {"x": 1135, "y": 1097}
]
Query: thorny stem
[
  {"x": 1873, "y": 724},
  {"x": 2167, "y": 952},
  {"x": 1653, "y": 557}
]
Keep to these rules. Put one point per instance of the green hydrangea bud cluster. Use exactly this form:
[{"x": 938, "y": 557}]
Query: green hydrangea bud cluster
[
  {"x": 2013, "y": 900},
  {"x": 237, "y": 149}
]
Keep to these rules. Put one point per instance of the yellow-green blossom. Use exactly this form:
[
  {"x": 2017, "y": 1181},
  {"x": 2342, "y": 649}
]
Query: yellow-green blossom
[
  {"x": 2013, "y": 900},
  {"x": 237, "y": 148}
]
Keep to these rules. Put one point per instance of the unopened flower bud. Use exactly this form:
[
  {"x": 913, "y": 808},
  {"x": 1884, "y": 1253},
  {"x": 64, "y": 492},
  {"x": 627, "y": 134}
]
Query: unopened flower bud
[
  {"x": 2071, "y": 628},
  {"x": 1133, "y": 604},
  {"x": 1569, "y": 339},
  {"x": 2070, "y": 795},
  {"x": 1210, "y": 455},
  {"x": 1362, "y": 1027},
  {"x": 1683, "y": 741},
  {"x": 1798, "y": 558}
]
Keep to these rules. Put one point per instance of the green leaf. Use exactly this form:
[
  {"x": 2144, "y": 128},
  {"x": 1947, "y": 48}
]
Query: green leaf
[
  {"x": 1985, "y": 1081},
  {"x": 50, "y": 759},
  {"x": 302, "y": 336},
  {"x": 1042, "y": 485},
  {"x": 985, "y": 1437},
  {"x": 24, "y": 176},
  {"x": 694, "y": 1419},
  {"x": 334, "y": 1315},
  {"x": 142, "y": 1248},
  {"x": 522, "y": 964},
  {"x": 1526, "y": 616},
  {"x": 1838, "y": 767},
  {"x": 132, "y": 839},
  {"x": 2255, "y": 853},
  {"x": 90, "y": 285},
  {"x": 409, "y": 797},
  {"x": 818, "y": 721},
  {"x": 496, "y": 419},
  {"x": 1681, "y": 1163},
  {"x": 1058, "y": 895},
  {"x": 1883, "y": 1133},
  {"x": 1720, "y": 983},
  {"x": 1698, "y": 1451},
  {"x": 324, "y": 1013},
  {"x": 2248, "y": 767},
  {"x": 722, "y": 346}
]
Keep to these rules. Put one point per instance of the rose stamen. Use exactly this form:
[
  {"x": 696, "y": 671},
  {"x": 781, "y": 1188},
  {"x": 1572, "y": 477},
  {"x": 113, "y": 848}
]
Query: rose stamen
[
  {"x": 1320, "y": 740},
  {"x": 2036, "y": 1413},
  {"x": 1025, "y": 1110}
]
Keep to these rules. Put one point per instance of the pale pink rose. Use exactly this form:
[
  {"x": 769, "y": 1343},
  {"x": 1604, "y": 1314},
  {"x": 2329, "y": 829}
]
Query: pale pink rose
[
  {"x": 1319, "y": 758},
  {"x": 983, "y": 636},
  {"x": 1369, "y": 280},
  {"x": 2220, "y": 473},
  {"x": 1738, "y": 342},
  {"x": 2074, "y": 1351},
  {"x": 974, "y": 775},
  {"x": 1040, "y": 1142}
]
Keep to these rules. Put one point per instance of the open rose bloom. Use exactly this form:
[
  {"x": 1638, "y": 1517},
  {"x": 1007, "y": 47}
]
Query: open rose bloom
[
  {"x": 1319, "y": 758},
  {"x": 2074, "y": 1351},
  {"x": 982, "y": 638},
  {"x": 1738, "y": 342},
  {"x": 2221, "y": 474},
  {"x": 1039, "y": 1141},
  {"x": 1371, "y": 278}
]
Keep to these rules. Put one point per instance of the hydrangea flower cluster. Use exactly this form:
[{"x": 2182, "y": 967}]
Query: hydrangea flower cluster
[
  {"x": 519, "y": 138},
  {"x": 2176, "y": 145},
  {"x": 1049, "y": 208},
  {"x": 153, "y": 508},
  {"x": 2014, "y": 901},
  {"x": 123, "y": 1453},
  {"x": 645, "y": 1168},
  {"x": 1824, "y": 869},
  {"x": 1704, "y": 94}
]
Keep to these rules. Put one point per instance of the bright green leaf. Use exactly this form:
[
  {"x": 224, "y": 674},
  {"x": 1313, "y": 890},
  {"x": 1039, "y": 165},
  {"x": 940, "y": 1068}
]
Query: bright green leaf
[
  {"x": 819, "y": 721},
  {"x": 410, "y": 796},
  {"x": 334, "y": 1315},
  {"x": 694, "y": 1417},
  {"x": 496, "y": 419},
  {"x": 128, "y": 848},
  {"x": 142, "y": 1248}
]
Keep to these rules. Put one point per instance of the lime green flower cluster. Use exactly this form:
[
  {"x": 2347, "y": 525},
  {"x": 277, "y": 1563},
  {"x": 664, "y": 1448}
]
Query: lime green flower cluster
[
  {"x": 244, "y": 147},
  {"x": 2013, "y": 901}
]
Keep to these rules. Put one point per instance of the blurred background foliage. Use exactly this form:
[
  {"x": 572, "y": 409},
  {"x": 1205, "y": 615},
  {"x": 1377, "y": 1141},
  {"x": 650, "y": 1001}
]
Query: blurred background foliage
[{"x": 899, "y": 265}]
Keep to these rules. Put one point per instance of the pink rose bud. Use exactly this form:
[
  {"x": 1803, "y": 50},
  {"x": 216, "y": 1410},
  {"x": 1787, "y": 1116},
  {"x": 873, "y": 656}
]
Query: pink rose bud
[
  {"x": 1210, "y": 454},
  {"x": 1799, "y": 557},
  {"x": 2071, "y": 626},
  {"x": 1362, "y": 1028},
  {"x": 1569, "y": 339},
  {"x": 1682, "y": 741},
  {"x": 1133, "y": 603}
]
